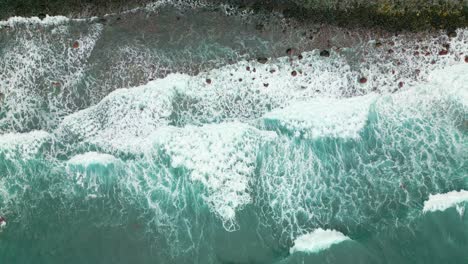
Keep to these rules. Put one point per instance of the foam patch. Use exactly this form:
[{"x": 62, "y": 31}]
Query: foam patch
[
  {"x": 323, "y": 117},
  {"x": 220, "y": 157},
  {"x": 317, "y": 241},
  {"x": 443, "y": 201}
]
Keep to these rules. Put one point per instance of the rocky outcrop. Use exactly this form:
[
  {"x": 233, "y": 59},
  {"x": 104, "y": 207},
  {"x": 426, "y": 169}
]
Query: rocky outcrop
[{"x": 388, "y": 14}]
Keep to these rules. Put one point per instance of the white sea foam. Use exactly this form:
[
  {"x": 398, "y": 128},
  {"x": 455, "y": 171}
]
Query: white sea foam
[
  {"x": 452, "y": 81},
  {"x": 443, "y": 201},
  {"x": 421, "y": 122},
  {"x": 27, "y": 145},
  {"x": 443, "y": 95},
  {"x": 91, "y": 158},
  {"x": 220, "y": 156},
  {"x": 317, "y": 241},
  {"x": 126, "y": 116},
  {"x": 93, "y": 172},
  {"x": 234, "y": 94},
  {"x": 35, "y": 64},
  {"x": 324, "y": 117},
  {"x": 47, "y": 21},
  {"x": 60, "y": 20}
]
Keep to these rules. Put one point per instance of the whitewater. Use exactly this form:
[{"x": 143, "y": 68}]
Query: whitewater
[{"x": 125, "y": 141}]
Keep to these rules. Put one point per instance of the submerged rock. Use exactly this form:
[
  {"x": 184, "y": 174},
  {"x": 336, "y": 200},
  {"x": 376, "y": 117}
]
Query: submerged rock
[
  {"x": 325, "y": 53},
  {"x": 262, "y": 60},
  {"x": 290, "y": 51}
]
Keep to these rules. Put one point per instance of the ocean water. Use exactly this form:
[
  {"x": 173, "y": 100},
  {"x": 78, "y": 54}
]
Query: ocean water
[{"x": 160, "y": 135}]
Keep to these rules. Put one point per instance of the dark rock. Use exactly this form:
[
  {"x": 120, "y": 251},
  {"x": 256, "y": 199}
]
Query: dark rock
[
  {"x": 466, "y": 59},
  {"x": 76, "y": 45},
  {"x": 401, "y": 84},
  {"x": 324, "y": 53},
  {"x": 362, "y": 80},
  {"x": 41, "y": 16},
  {"x": 262, "y": 60},
  {"x": 208, "y": 81},
  {"x": 452, "y": 34},
  {"x": 293, "y": 73},
  {"x": 290, "y": 51},
  {"x": 266, "y": 84}
]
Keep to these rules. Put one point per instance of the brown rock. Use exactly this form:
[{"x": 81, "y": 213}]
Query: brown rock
[{"x": 443, "y": 52}]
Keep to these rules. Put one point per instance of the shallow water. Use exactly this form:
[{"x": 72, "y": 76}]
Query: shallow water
[{"x": 159, "y": 136}]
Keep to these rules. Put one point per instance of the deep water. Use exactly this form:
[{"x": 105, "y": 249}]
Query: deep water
[{"x": 159, "y": 136}]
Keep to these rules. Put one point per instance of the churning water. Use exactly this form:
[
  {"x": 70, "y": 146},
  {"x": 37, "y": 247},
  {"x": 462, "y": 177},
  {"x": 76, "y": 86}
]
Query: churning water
[{"x": 186, "y": 134}]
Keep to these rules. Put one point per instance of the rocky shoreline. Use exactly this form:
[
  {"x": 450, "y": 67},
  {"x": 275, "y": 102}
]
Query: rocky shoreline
[{"x": 413, "y": 15}]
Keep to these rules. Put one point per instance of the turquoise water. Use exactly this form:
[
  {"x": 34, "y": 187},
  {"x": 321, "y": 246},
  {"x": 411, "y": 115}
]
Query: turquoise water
[{"x": 182, "y": 170}]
